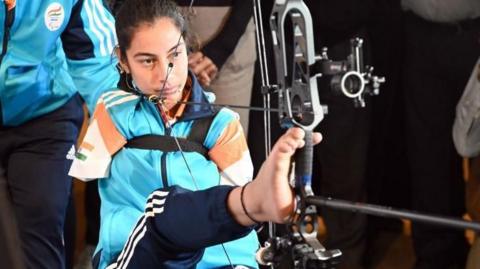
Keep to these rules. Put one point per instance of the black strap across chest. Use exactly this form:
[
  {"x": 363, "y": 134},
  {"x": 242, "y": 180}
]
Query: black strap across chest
[{"x": 192, "y": 143}]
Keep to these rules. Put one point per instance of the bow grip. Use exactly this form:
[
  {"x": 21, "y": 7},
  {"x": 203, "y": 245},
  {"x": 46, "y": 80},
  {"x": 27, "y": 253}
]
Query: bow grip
[{"x": 303, "y": 165}]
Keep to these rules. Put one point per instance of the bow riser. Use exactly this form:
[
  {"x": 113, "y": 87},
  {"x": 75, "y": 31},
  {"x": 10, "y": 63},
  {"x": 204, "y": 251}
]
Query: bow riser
[{"x": 301, "y": 94}]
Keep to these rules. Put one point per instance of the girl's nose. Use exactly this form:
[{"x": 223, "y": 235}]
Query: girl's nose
[{"x": 164, "y": 70}]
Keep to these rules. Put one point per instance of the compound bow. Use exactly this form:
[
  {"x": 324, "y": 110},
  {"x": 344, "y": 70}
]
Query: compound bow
[{"x": 299, "y": 105}]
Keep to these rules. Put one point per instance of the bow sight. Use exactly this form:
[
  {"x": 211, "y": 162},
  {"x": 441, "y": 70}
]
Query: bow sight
[
  {"x": 350, "y": 77},
  {"x": 297, "y": 86}
]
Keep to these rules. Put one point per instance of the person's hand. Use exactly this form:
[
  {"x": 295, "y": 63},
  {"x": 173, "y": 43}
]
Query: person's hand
[
  {"x": 269, "y": 197},
  {"x": 202, "y": 67}
]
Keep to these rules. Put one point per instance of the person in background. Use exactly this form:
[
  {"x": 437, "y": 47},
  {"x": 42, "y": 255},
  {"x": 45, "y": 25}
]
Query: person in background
[
  {"x": 55, "y": 56},
  {"x": 441, "y": 47},
  {"x": 224, "y": 55},
  {"x": 466, "y": 136}
]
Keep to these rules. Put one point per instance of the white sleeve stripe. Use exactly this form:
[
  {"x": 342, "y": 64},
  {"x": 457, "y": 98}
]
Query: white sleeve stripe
[
  {"x": 92, "y": 26},
  {"x": 155, "y": 202},
  {"x": 122, "y": 100},
  {"x": 140, "y": 229},
  {"x": 115, "y": 94},
  {"x": 108, "y": 22},
  {"x": 154, "y": 211},
  {"x": 162, "y": 194},
  {"x": 133, "y": 247},
  {"x": 100, "y": 27},
  {"x": 131, "y": 238},
  {"x": 112, "y": 266},
  {"x": 100, "y": 20}
]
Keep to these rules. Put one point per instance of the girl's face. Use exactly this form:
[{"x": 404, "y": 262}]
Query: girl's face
[{"x": 154, "y": 50}]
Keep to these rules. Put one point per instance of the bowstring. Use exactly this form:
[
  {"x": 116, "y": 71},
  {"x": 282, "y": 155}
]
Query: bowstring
[{"x": 258, "y": 18}]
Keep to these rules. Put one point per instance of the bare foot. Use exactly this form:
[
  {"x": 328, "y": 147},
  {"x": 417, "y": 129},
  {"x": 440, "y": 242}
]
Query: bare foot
[
  {"x": 271, "y": 189},
  {"x": 269, "y": 197}
]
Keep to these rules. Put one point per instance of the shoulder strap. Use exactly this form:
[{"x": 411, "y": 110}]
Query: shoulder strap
[
  {"x": 166, "y": 144},
  {"x": 193, "y": 143},
  {"x": 199, "y": 130}
]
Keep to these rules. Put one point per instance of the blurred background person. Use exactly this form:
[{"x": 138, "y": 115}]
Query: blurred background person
[
  {"x": 55, "y": 56},
  {"x": 441, "y": 47},
  {"x": 466, "y": 136},
  {"x": 224, "y": 56}
]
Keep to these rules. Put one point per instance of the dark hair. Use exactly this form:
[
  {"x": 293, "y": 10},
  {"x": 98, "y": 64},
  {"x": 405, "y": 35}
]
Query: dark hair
[{"x": 134, "y": 13}]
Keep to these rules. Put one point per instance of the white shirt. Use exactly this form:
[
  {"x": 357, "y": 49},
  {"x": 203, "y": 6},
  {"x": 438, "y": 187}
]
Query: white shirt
[{"x": 445, "y": 11}]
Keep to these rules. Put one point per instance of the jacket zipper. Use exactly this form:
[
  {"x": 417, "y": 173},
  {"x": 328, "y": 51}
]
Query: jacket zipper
[
  {"x": 9, "y": 17},
  {"x": 163, "y": 162}
]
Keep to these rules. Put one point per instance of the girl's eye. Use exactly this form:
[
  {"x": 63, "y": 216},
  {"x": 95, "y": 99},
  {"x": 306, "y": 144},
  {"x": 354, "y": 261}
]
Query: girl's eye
[
  {"x": 148, "y": 61},
  {"x": 174, "y": 55}
]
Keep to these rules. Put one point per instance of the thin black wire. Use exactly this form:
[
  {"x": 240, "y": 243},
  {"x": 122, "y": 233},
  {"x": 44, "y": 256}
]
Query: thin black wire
[
  {"x": 168, "y": 125},
  {"x": 253, "y": 108}
]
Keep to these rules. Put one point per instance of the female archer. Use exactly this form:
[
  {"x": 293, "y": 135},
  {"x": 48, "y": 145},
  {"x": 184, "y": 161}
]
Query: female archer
[{"x": 142, "y": 150}]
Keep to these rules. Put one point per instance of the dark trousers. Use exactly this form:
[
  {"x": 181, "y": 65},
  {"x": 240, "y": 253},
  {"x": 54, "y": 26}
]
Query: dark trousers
[
  {"x": 438, "y": 62},
  {"x": 10, "y": 252},
  {"x": 92, "y": 212},
  {"x": 163, "y": 237},
  {"x": 36, "y": 157}
]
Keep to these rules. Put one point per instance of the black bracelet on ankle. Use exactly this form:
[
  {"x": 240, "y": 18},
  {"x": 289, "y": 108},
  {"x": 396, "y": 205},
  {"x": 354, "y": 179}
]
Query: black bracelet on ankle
[{"x": 243, "y": 205}]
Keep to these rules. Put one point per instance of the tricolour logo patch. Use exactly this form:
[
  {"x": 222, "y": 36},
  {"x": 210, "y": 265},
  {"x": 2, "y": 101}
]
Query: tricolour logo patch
[{"x": 54, "y": 16}]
